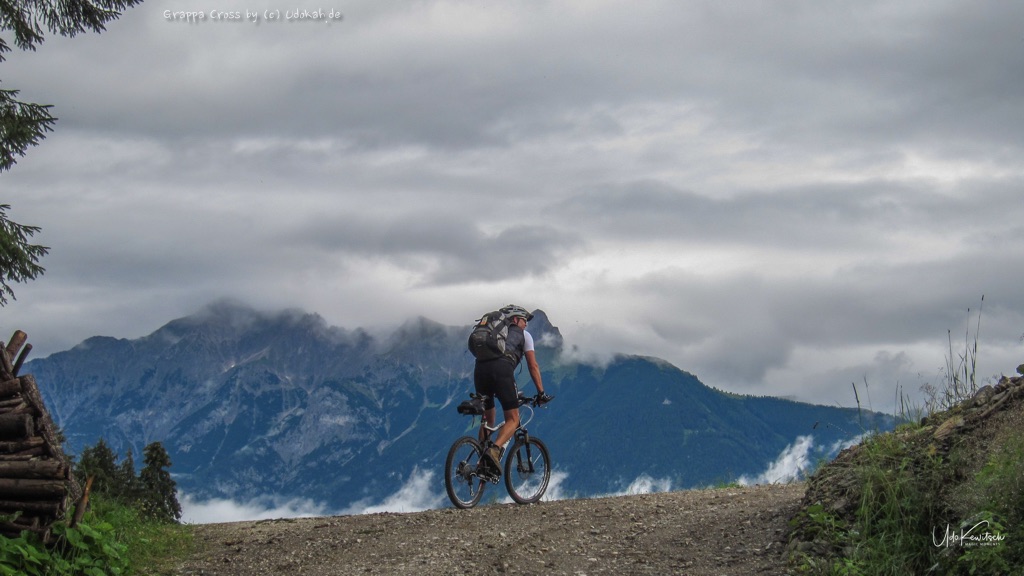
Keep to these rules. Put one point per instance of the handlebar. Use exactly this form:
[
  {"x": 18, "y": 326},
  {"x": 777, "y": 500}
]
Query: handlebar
[
  {"x": 536, "y": 401},
  {"x": 475, "y": 407},
  {"x": 533, "y": 401}
]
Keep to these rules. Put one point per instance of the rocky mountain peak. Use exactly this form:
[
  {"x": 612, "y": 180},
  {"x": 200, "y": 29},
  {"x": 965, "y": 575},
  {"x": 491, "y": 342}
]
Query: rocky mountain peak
[
  {"x": 543, "y": 332},
  {"x": 251, "y": 403}
]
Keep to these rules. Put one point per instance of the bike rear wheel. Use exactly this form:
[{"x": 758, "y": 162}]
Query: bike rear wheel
[
  {"x": 527, "y": 471},
  {"x": 461, "y": 482}
]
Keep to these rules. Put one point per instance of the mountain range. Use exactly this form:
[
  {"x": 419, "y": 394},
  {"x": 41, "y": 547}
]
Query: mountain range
[{"x": 251, "y": 404}]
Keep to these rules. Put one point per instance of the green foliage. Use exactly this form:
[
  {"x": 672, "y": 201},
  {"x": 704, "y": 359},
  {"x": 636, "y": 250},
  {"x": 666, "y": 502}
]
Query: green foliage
[
  {"x": 152, "y": 492},
  {"x": 891, "y": 528},
  {"x": 25, "y": 124},
  {"x": 100, "y": 463},
  {"x": 22, "y": 125},
  {"x": 1000, "y": 484},
  {"x": 64, "y": 17},
  {"x": 908, "y": 521},
  {"x": 19, "y": 260},
  {"x": 896, "y": 513},
  {"x": 86, "y": 549},
  {"x": 826, "y": 525},
  {"x": 1001, "y": 480},
  {"x": 921, "y": 512},
  {"x": 960, "y": 379},
  {"x": 130, "y": 527},
  {"x": 22, "y": 555},
  {"x": 113, "y": 539},
  {"x": 158, "y": 489},
  {"x": 125, "y": 476},
  {"x": 152, "y": 546},
  {"x": 90, "y": 550},
  {"x": 990, "y": 558}
]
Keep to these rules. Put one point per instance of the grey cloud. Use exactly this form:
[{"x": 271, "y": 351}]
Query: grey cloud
[
  {"x": 881, "y": 384},
  {"x": 826, "y": 216},
  {"x": 854, "y": 170},
  {"x": 737, "y": 329},
  {"x": 807, "y": 78},
  {"x": 446, "y": 249}
]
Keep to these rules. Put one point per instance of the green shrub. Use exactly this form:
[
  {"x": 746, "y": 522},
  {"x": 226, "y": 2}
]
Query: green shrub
[
  {"x": 909, "y": 521},
  {"x": 895, "y": 514},
  {"x": 88, "y": 550},
  {"x": 922, "y": 508},
  {"x": 112, "y": 540},
  {"x": 1001, "y": 486},
  {"x": 152, "y": 491}
]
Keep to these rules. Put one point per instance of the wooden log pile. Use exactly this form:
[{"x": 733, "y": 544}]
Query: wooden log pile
[{"x": 36, "y": 482}]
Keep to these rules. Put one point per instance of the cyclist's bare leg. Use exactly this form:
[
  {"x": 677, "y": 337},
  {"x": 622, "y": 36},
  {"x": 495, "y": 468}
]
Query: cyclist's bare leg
[
  {"x": 488, "y": 420},
  {"x": 509, "y": 427}
]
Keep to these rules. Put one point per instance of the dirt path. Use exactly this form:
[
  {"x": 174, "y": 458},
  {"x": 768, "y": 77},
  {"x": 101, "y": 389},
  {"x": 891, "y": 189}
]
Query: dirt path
[{"x": 700, "y": 533}]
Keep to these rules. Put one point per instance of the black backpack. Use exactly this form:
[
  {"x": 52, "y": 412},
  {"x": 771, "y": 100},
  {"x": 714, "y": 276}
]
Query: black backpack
[{"x": 487, "y": 340}]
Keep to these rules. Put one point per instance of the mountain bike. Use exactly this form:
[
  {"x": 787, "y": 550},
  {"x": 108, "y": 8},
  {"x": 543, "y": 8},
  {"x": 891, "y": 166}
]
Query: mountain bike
[{"x": 527, "y": 467}]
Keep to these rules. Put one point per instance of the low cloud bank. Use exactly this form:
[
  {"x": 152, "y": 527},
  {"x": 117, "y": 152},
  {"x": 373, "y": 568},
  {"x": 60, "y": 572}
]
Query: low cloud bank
[
  {"x": 796, "y": 461},
  {"x": 792, "y": 464},
  {"x": 645, "y": 484},
  {"x": 225, "y": 510},
  {"x": 423, "y": 490},
  {"x": 419, "y": 492}
]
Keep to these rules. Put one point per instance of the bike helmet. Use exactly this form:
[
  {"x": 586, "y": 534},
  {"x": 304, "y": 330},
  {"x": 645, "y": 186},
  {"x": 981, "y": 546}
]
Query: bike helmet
[{"x": 513, "y": 311}]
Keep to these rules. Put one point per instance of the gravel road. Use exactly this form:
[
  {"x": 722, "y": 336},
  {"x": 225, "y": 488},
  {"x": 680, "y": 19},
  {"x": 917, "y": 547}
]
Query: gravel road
[{"x": 712, "y": 532}]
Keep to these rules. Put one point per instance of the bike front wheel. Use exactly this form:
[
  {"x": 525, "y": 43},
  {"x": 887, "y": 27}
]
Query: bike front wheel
[
  {"x": 464, "y": 486},
  {"x": 527, "y": 471}
]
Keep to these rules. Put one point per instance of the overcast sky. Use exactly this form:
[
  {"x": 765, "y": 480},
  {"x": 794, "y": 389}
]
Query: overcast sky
[{"x": 783, "y": 198}]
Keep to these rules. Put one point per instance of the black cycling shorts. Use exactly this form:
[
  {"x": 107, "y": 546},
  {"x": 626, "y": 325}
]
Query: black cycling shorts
[{"x": 496, "y": 378}]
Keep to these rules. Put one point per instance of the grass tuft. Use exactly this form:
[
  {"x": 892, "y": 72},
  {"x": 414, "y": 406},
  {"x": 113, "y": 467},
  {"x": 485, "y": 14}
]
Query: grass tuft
[
  {"x": 918, "y": 507},
  {"x": 112, "y": 539}
]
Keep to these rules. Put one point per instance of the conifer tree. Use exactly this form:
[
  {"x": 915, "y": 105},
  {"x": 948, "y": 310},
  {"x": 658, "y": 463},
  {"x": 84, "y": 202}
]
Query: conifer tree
[
  {"x": 19, "y": 260},
  {"x": 127, "y": 480},
  {"x": 25, "y": 124},
  {"x": 100, "y": 462},
  {"x": 158, "y": 490}
]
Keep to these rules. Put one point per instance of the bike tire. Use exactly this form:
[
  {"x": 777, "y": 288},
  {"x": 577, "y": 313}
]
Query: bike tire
[
  {"x": 527, "y": 471},
  {"x": 461, "y": 482}
]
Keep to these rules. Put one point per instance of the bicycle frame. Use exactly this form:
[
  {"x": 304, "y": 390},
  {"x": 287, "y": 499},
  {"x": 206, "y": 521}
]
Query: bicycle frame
[
  {"x": 526, "y": 470},
  {"x": 520, "y": 432}
]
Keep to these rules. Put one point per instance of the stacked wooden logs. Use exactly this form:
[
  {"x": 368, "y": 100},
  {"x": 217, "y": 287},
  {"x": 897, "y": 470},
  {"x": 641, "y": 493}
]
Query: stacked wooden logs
[{"x": 36, "y": 483}]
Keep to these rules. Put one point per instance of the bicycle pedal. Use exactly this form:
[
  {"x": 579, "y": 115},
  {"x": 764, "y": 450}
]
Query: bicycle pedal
[{"x": 486, "y": 471}]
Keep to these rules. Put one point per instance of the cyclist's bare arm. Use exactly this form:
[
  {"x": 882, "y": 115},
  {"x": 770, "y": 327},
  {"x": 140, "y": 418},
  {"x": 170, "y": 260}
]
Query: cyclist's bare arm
[{"x": 534, "y": 368}]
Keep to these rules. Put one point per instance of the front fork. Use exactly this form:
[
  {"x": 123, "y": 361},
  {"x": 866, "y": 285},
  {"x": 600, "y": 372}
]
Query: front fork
[
  {"x": 522, "y": 435},
  {"x": 523, "y": 464}
]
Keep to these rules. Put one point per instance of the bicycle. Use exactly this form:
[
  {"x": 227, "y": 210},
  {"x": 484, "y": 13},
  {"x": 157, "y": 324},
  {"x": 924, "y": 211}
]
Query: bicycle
[{"x": 527, "y": 468}]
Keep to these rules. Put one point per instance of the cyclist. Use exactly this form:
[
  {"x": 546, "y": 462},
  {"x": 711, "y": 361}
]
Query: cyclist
[{"x": 496, "y": 378}]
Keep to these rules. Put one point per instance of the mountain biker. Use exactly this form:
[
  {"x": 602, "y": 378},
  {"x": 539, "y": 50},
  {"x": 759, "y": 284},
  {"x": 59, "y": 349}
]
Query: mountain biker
[{"x": 496, "y": 378}]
